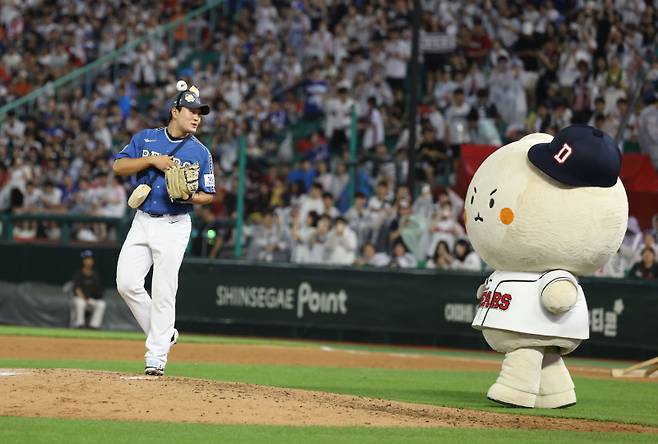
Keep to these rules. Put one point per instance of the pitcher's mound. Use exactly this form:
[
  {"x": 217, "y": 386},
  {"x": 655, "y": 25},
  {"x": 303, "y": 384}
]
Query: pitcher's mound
[{"x": 120, "y": 396}]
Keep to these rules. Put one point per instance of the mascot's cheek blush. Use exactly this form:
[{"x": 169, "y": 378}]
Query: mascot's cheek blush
[{"x": 506, "y": 216}]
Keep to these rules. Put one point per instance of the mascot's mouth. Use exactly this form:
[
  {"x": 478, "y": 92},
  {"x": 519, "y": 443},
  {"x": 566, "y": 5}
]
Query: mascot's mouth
[{"x": 478, "y": 218}]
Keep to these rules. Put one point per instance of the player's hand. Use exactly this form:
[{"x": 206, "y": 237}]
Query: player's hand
[{"x": 162, "y": 162}]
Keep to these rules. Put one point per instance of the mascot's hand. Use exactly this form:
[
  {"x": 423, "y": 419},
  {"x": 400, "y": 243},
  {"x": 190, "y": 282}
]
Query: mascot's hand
[
  {"x": 559, "y": 296},
  {"x": 478, "y": 295}
]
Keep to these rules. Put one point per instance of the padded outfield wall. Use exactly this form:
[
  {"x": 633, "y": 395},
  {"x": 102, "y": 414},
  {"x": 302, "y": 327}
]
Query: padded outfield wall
[{"x": 357, "y": 304}]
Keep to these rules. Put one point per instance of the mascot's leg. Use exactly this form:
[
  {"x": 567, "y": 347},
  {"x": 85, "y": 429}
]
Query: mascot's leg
[
  {"x": 518, "y": 381},
  {"x": 556, "y": 388}
]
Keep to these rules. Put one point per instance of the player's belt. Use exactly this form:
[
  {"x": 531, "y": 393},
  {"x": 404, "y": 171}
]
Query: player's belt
[{"x": 161, "y": 215}]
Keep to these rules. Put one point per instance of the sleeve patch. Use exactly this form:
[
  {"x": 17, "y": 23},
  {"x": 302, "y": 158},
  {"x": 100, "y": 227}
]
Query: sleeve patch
[{"x": 209, "y": 180}]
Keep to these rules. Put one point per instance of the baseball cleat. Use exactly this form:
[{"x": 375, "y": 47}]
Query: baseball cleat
[
  {"x": 154, "y": 371},
  {"x": 174, "y": 337}
]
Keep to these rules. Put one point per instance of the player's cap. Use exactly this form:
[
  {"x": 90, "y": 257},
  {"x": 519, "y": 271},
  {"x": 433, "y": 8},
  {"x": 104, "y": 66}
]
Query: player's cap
[
  {"x": 86, "y": 253},
  {"x": 579, "y": 155},
  {"x": 190, "y": 99}
]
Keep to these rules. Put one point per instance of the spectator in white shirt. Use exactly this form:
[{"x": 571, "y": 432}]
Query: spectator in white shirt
[
  {"x": 318, "y": 241},
  {"x": 456, "y": 120},
  {"x": 312, "y": 201},
  {"x": 323, "y": 175},
  {"x": 437, "y": 121},
  {"x": 380, "y": 206},
  {"x": 360, "y": 219},
  {"x": 340, "y": 178},
  {"x": 269, "y": 241},
  {"x": 51, "y": 198},
  {"x": 114, "y": 198},
  {"x": 370, "y": 257},
  {"x": 444, "y": 88},
  {"x": 441, "y": 259},
  {"x": 464, "y": 257},
  {"x": 12, "y": 129},
  {"x": 373, "y": 125},
  {"x": 398, "y": 52},
  {"x": 444, "y": 228},
  {"x": 402, "y": 258},
  {"x": 648, "y": 129},
  {"x": 328, "y": 207},
  {"x": 339, "y": 118},
  {"x": 302, "y": 233},
  {"x": 341, "y": 243}
]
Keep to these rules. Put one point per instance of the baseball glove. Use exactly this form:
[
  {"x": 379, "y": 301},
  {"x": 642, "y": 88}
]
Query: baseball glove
[{"x": 182, "y": 181}]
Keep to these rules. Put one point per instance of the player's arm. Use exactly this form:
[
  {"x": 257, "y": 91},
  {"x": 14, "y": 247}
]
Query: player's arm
[
  {"x": 127, "y": 166},
  {"x": 206, "y": 185},
  {"x": 132, "y": 159},
  {"x": 200, "y": 198},
  {"x": 79, "y": 293}
]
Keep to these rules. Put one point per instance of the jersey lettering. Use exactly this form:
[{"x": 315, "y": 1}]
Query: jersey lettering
[
  {"x": 563, "y": 154},
  {"x": 497, "y": 301},
  {"x": 505, "y": 300},
  {"x": 484, "y": 299}
]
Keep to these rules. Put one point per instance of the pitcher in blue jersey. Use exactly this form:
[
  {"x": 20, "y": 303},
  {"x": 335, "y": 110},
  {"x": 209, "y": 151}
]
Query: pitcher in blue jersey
[{"x": 161, "y": 228}]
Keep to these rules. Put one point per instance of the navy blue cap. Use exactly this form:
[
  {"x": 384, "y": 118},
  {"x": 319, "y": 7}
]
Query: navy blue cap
[
  {"x": 86, "y": 253},
  {"x": 190, "y": 99},
  {"x": 579, "y": 155}
]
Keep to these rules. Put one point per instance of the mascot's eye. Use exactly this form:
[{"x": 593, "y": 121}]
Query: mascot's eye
[
  {"x": 472, "y": 199},
  {"x": 491, "y": 203}
]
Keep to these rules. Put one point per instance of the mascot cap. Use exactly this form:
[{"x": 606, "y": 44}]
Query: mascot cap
[
  {"x": 189, "y": 98},
  {"x": 579, "y": 155}
]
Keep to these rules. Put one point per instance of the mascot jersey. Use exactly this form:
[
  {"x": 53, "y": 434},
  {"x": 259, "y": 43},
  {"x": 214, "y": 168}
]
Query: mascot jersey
[{"x": 512, "y": 301}]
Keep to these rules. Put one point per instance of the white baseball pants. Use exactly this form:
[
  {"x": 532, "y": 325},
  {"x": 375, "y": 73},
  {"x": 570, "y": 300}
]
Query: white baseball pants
[
  {"x": 159, "y": 242},
  {"x": 97, "y": 307}
]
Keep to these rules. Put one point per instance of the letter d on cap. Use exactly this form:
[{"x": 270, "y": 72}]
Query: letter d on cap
[{"x": 563, "y": 154}]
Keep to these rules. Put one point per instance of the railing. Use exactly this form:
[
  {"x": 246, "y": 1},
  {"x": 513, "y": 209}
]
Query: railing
[
  {"x": 65, "y": 223},
  {"x": 89, "y": 72}
]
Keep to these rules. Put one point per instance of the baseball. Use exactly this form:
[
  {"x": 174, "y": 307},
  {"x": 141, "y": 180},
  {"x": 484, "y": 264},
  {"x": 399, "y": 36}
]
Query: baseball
[{"x": 181, "y": 85}]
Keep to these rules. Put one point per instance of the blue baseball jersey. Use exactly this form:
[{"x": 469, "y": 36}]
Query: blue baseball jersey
[{"x": 155, "y": 142}]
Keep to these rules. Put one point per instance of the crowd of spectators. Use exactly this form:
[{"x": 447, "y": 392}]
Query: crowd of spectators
[{"x": 492, "y": 72}]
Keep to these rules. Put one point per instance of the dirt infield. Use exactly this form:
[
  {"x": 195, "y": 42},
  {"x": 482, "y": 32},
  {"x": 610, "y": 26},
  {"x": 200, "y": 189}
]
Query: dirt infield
[{"x": 109, "y": 395}]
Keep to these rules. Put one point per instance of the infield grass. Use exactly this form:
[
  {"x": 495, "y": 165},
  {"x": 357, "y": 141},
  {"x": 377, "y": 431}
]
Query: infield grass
[
  {"x": 8, "y": 330},
  {"x": 53, "y": 431}
]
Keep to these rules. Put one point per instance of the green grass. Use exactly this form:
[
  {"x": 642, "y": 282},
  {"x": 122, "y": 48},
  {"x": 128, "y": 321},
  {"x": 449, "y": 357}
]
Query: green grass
[
  {"x": 52, "y": 431},
  {"x": 9, "y": 330},
  {"x": 6, "y": 330},
  {"x": 599, "y": 399}
]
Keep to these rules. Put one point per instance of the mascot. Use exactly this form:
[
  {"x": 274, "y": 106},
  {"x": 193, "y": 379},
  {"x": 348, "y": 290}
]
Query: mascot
[{"x": 541, "y": 211}]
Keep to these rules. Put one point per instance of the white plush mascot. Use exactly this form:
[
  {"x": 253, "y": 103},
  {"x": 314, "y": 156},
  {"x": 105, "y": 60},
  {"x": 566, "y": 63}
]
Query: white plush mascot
[{"x": 540, "y": 211}]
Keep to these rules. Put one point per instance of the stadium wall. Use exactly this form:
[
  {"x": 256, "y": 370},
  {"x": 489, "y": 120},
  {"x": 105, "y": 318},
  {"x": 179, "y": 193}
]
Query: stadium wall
[{"x": 357, "y": 304}]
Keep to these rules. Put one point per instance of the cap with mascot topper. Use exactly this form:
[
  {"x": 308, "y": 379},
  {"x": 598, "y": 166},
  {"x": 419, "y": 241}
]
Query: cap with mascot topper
[
  {"x": 189, "y": 98},
  {"x": 579, "y": 155}
]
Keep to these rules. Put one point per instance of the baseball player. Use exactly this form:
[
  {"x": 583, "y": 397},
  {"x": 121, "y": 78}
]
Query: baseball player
[{"x": 161, "y": 228}]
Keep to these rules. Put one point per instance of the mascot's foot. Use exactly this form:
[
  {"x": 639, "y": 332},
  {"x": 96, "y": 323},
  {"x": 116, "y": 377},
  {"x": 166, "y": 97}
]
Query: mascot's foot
[
  {"x": 510, "y": 397},
  {"x": 556, "y": 401}
]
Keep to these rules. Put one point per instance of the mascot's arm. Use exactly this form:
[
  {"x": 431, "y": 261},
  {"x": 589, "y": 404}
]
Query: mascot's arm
[
  {"x": 559, "y": 296},
  {"x": 478, "y": 295}
]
